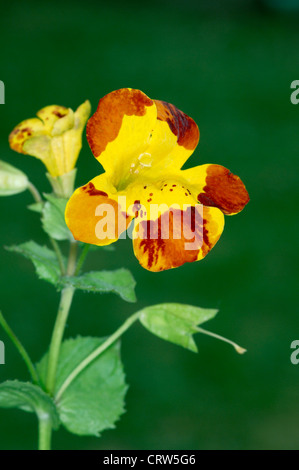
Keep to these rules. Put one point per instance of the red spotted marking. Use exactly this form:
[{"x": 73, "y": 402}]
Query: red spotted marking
[
  {"x": 92, "y": 191},
  {"x": 181, "y": 125},
  {"x": 159, "y": 249}
]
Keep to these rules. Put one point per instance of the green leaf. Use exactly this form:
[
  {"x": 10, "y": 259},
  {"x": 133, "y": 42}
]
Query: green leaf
[
  {"x": 94, "y": 401},
  {"x": 175, "y": 322},
  {"x": 36, "y": 207},
  {"x": 43, "y": 258},
  {"x": 28, "y": 397},
  {"x": 12, "y": 180},
  {"x": 53, "y": 218},
  {"x": 120, "y": 282}
]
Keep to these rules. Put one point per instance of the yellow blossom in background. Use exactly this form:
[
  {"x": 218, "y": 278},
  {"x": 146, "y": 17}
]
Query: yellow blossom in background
[{"x": 54, "y": 137}]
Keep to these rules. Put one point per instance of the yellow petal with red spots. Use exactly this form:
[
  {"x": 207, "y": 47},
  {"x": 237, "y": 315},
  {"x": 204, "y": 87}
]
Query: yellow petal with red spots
[
  {"x": 120, "y": 130},
  {"x": 133, "y": 136},
  {"x": 51, "y": 114},
  {"x": 96, "y": 213},
  {"x": 177, "y": 237},
  {"x": 174, "y": 138},
  {"x": 171, "y": 228},
  {"x": 165, "y": 191},
  {"x": 216, "y": 186},
  {"x": 24, "y": 131}
]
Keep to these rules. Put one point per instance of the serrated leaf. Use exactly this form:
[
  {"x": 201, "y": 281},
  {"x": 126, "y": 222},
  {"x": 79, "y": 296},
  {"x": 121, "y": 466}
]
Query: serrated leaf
[
  {"x": 53, "y": 218},
  {"x": 12, "y": 180},
  {"x": 120, "y": 282},
  {"x": 175, "y": 322},
  {"x": 28, "y": 397},
  {"x": 94, "y": 401},
  {"x": 44, "y": 260}
]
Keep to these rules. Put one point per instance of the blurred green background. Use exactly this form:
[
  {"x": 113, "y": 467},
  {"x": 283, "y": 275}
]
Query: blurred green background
[{"x": 229, "y": 65}]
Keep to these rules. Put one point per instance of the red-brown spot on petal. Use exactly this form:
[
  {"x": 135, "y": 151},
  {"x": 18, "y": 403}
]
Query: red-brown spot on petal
[
  {"x": 18, "y": 136},
  {"x": 84, "y": 213},
  {"x": 224, "y": 190},
  {"x": 58, "y": 114},
  {"x": 103, "y": 127},
  {"x": 92, "y": 191},
  {"x": 136, "y": 206},
  {"x": 181, "y": 125}
]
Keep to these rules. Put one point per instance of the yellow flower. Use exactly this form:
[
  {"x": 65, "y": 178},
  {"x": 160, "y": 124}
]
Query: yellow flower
[
  {"x": 55, "y": 137},
  {"x": 142, "y": 145}
]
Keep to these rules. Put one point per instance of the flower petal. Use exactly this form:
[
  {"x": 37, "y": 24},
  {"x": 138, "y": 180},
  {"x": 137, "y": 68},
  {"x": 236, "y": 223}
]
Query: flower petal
[
  {"x": 216, "y": 186},
  {"x": 171, "y": 228},
  {"x": 94, "y": 214},
  {"x": 63, "y": 124},
  {"x": 50, "y": 114},
  {"x": 82, "y": 114},
  {"x": 174, "y": 138},
  {"x": 24, "y": 131},
  {"x": 177, "y": 237},
  {"x": 120, "y": 130}
]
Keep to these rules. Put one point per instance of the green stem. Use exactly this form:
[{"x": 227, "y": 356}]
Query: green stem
[
  {"x": 37, "y": 197},
  {"x": 96, "y": 353},
  {"x": 35, "y": 193},
  {"x": 71, "y": 265},
  {"x": 81, "y": 259},
  {"x": 238, "y": 348},
  {"x": 58, "y": 255},
  {"x": 63, "y": 311},
  {"x": 20, "y": 348},
  {"x": 44, "y": 432}
]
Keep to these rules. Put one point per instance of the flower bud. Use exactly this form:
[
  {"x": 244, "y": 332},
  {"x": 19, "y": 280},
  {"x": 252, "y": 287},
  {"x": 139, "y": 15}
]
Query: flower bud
[{"x": 12, "y": 180}]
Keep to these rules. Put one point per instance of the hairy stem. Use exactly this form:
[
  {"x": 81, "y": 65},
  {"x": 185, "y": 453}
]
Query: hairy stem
[
  {"x": 20, "y": 348},
  {"x": 96, "y": 353}
]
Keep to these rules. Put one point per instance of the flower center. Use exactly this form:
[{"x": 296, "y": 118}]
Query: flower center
[{"x": 143, "y": 161}]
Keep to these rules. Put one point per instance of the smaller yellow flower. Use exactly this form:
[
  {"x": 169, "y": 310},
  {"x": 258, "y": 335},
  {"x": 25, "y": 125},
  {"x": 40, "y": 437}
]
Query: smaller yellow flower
[{"x": 55, "y": 137}]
